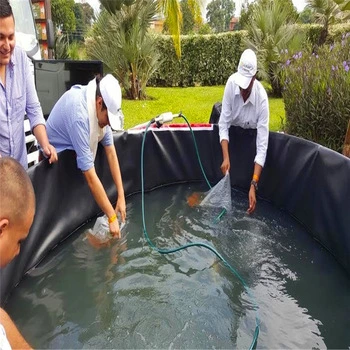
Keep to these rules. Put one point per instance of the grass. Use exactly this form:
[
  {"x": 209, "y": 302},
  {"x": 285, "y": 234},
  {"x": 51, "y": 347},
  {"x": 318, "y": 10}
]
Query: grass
[{"x": 195, "y": 103}]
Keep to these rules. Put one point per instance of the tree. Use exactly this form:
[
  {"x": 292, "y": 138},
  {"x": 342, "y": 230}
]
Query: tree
[
  {"x": 80, "y": 27},
  {"x": 188, "y": 22},
  {"x": 246, "y": 13},
  {"x": 122, "y": 42},
  {"x": 305, "y": 16},
  {"x": 344, "y": 5},
  {"x": 171, "y": 10},
  {"x": 270, "y": 32},
  {"x": 89, "y": 14},
  {"x": 63, "y": 15},
  {"x": 84, "y": 15},
  {"x": 249, "y": 8},
  {"x": 219, "y": 14},
  {"x": 325, "y": 12},
  {"x": 205, "y": 29}
]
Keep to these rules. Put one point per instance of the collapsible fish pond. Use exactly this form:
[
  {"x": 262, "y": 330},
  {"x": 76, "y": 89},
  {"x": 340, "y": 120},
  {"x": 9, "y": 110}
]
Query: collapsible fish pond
[{"x": 276, "y": 279}]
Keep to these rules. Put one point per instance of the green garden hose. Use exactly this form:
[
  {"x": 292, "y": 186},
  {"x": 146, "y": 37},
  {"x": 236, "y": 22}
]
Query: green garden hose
[{"x": 194, "y": 244}]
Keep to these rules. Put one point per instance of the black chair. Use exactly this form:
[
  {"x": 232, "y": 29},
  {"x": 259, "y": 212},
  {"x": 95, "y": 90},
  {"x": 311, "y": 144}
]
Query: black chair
[{"x": 215, "y": 113}]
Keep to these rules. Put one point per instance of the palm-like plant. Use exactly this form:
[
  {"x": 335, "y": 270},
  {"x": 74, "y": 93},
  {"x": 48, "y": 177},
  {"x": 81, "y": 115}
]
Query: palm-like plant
[
  {"x": 61, "y": 47},
  {"x": 271, "y": 30},
  {"x": 344, "y": 5},
  {"x": 171, "y": 10},
  {"x": 122, "y": 42},
  {"x": 326, "y": 13}
]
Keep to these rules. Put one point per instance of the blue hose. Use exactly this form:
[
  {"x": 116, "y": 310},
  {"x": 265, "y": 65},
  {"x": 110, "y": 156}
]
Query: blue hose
[{"x": 194, "y": 244}]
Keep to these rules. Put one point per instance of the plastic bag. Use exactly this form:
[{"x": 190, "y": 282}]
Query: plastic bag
[
  {"x": 219, "y": 196},
  {"x": 100, "y": 231}
]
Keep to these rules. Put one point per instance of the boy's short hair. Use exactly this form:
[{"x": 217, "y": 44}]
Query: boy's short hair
[{"x": 16, "y": 189}]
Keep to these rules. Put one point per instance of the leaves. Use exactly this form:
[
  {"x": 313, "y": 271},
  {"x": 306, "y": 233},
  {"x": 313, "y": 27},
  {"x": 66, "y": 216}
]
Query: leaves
[
  {"x": 122, "y": 42},
  {"x": 63, "y": 15},
  {"x": 326, "y": 13},
  {"x": 271, "y": 29},
  {"x": 205, "y": 60},
  {"x": 219, "y": 14},
  {"x": 316, "y": 94},
  {"x": 171, "y": 10}
]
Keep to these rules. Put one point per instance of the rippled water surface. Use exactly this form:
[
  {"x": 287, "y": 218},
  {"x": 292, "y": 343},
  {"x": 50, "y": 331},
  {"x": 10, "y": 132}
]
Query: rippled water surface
[{"x": 128, "y": 296}]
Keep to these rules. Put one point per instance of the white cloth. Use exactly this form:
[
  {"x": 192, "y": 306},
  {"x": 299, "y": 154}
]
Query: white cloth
[
  {"x": 96, "y": 133},
  {"x": 4, "y": 343},
  {"x": 251, "y": 114}
]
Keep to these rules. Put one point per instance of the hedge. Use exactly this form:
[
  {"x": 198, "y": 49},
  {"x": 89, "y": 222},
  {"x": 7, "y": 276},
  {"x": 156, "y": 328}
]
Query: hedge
[
  {"x": 210, "y": 59},
  {"x": 206, "y": 60}
]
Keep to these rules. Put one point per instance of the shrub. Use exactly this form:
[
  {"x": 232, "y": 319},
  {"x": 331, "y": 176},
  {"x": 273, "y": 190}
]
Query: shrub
[
  {"x": 337, "y": 31},
  {"x": 313, "y": 32},
  {"x": 316, "y": 93},
  {"x": 123, "y": 43},
  {"x": 205, "y": 60},
  {"x": 211, "y": 59}
]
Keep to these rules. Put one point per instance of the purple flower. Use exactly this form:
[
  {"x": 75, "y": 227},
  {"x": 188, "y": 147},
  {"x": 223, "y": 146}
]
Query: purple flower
[
  {"x": 331, "y": 47},
  {"x": 333, "y": 68},
  {"x": 288, "y": 63},
  {"x": 344, "y": 64},
  {"x": 346, "y": 68},
  {"x": 300, "y": 54}
]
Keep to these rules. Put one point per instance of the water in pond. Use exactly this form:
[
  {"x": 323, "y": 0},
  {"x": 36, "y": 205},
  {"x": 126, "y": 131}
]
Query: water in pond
[{"x": 128, "y": 296}]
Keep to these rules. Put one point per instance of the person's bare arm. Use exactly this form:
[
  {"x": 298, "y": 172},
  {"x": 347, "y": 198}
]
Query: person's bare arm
[
  {"x": 252, "y": 192},
  {"x": 102, "y": 199},
  {"x": 13, "y": 335},
  {"x": 117, "y": 178},
  {"x": 225, "y": 166}
]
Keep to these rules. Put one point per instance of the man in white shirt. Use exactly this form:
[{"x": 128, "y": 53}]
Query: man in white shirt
[
  {"x": 17, "y": 209},
  {"x": 245, "y": 104}
]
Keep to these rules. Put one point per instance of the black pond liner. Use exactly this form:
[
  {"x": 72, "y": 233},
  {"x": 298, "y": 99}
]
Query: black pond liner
[{"x": 310, "y": 182}]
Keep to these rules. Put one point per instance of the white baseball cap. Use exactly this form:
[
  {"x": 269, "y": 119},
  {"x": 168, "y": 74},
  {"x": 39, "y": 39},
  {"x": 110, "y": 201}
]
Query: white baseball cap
[
  {"x": 112, "y": 97},
  {"x": 247, "y": 68}
]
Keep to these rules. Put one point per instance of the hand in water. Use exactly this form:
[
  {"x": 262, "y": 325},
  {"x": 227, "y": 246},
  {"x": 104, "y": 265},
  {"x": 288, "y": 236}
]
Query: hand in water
[
  {"x": 252, "y": 200},
  {"x": 114, "y": 228}
]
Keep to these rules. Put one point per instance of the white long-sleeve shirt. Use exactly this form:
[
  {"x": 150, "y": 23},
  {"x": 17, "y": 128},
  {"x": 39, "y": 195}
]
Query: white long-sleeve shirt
[
  {"x": 4, "y": 343},
  {"x": 251, "y": 114}
]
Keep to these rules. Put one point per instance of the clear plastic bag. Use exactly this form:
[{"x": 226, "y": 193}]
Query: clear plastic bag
[
  {"x": 219, "y": 196},
  {"x": 100, "y": 230}
]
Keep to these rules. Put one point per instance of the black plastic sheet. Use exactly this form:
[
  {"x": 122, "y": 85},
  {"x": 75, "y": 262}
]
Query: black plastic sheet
[{"x": 310, "y": 182}]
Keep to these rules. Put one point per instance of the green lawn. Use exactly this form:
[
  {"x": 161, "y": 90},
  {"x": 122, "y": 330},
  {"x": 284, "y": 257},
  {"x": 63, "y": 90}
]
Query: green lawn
[{"x": 195, "y": 103}]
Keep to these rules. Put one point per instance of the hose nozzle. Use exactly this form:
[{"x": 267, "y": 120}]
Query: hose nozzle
[{"x": 164, "y": 118}]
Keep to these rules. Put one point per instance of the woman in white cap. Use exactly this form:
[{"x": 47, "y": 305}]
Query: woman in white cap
[
  {"x": 80, "y": 119},
  {"x": 245, "y": 104}
]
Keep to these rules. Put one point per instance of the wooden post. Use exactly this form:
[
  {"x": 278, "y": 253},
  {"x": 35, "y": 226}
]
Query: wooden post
[{"x": 346, "y": 148}]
